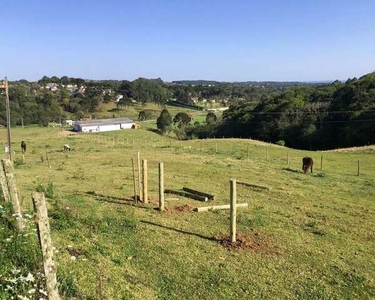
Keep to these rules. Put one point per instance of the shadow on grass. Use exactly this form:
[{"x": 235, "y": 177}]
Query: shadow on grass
[
  {"x": 292, "y": 170},
  {"x": 154, "y": 130},
  {"x": 181, "y": 231},
  {"x": 116, "y": 200}
]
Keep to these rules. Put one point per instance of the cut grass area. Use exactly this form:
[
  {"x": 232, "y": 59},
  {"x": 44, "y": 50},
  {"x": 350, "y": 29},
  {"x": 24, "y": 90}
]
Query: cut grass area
[{"x": 314, "y": 231}]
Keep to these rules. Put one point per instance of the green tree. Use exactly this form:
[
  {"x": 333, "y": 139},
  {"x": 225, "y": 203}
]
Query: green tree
[
  {"x": 181, "y": 119},
  {"x": 164, "y": 121},
  {"x": 211, "y": 118}
]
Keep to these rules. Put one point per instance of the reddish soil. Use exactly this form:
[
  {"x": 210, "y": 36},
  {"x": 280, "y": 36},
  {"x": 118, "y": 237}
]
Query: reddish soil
[
  {"x": 177, "y": 209},
  {"x": 250, "y": 241}
]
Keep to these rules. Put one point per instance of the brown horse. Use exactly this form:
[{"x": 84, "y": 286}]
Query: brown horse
[
  {"x": 23, "y": 146},
  {"x": 307, "y": 163}
]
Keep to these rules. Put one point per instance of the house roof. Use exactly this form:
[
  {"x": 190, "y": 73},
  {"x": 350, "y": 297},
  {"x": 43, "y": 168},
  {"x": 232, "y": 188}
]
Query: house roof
[{"x": 113, "y": 121}]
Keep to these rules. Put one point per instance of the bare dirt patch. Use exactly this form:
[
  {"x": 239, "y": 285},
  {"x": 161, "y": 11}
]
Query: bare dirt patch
[
  {"x": 177, "y": 209},
  {"x": 65, "y": 133},
  {"x": 250, "y": 241}
]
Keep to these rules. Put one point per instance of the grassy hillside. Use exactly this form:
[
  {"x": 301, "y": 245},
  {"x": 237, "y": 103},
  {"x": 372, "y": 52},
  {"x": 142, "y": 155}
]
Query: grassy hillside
[{"x": 310, "y": 237}]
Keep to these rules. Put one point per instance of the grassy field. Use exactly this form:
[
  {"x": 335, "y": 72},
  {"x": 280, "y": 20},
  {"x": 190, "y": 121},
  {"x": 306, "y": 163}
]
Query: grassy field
[{"x": 310, "y": 237}]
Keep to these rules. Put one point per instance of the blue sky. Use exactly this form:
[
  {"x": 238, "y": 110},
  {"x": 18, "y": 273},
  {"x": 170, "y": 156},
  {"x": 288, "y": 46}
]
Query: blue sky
[{"x": 172, "y": 39}]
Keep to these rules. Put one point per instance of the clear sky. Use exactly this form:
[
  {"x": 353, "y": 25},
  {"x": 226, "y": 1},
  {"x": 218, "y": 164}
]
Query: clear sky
[{"x": 302, "y": 40}]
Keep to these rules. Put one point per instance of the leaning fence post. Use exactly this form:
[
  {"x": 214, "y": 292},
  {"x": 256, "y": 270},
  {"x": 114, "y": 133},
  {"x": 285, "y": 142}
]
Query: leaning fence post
[
  {"x": 233, "y": 210},
  {"x": 13, "y": 193},
  {"x": 41, "y": 219},
  {"x": 4, "y": 185},
  {"x": 161, "y": 186},
  {"x": 145, "y": 184}
]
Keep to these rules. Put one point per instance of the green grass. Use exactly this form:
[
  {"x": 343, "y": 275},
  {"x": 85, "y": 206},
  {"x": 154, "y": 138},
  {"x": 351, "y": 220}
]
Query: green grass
[{"x": 318, "y": 227}]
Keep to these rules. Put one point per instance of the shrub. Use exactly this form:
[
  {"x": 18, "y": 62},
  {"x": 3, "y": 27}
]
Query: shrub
[{"x": 280, "y": 142}]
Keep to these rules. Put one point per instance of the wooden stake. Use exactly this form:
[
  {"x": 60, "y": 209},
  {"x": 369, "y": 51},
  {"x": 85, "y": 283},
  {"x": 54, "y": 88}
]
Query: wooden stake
[
  {"x": 139, "y": 175},
  {"x": 145, "y": 183},
  {"x": 201, "y": 145},
  {"x": 215, "y": 147},
  {"x": 321, "y": 162},
  {"x": 358, "y": 169},
  {"x": 41, "y": 219},
  {"x": 3, "y": 182},
  {"x": 161, "y": 186},
  {"x": 247, "y": 155},
  {"x": 134, "y": 181},
  {"x": 49, "y": 166},
  {"x": 233, "y": 210},
  {"x": 7, "y": 107},
  {"x": 287, "y": 159},
  {"x": 267, "y": 155}
]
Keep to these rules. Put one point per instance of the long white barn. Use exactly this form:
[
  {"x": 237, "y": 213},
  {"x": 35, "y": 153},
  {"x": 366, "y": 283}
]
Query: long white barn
[{"x": 103, "y": 125}]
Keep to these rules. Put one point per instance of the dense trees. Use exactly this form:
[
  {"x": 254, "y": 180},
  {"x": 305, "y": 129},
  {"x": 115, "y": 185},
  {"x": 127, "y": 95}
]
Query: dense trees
[
  {"x": 323, "y": 117},
  {"x": 304, "y": 116}
]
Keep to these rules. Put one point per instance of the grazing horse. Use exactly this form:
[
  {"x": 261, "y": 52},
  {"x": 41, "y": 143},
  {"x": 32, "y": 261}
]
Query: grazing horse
[
  {"x": 66, "y": 148},
  {"x": 307, "y": 163},
  {"x": 23, "y": 146}
]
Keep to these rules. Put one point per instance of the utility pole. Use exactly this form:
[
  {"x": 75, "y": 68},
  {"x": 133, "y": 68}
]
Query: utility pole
[{"x": 6, "y": 87}]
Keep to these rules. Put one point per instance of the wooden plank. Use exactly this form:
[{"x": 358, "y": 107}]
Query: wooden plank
[
  {"x": 3, "y": 183},
  {"x": 13, "y": 192},
  {"x": 187, "y": 195},
  {"x": 209, "y": 196},
  {"x": 41, "y": 219},
  {"x": 254, "y": 185},
  {"x": 226, "y": 206}
]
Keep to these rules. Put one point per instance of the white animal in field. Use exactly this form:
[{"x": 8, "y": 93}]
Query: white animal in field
[{"x": 66, "y": 148}]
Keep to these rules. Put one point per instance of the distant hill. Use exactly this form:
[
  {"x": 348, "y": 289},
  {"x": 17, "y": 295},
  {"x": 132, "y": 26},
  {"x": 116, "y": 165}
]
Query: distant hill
[{"x": 252, "y": 83}]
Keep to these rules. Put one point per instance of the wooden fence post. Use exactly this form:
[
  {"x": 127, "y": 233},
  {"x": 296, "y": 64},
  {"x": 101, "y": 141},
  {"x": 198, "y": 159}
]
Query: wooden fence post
[
  {"x": 215, "y": 147},
  {"x": 287, "y": 159},
  {"x": 42, "y": 222},
  {"x": 139, "y": 175},
  {"x": 247, "y": 153},
  {"x": 321, "y": 162},
  {"x": 358, "y": 169},
  {"x": 161, "y": 186},
  {"x": 267, "y": 155},
  {"x": 13, "y": 192},
  {"x": 201, "y": 145},
  {"x": 3, "y": 182},
  {"x": 145, "y": 184},
  {"x": 233, "y": 210},
  {"x": 49, "y": 166},
  {"x": 134, "y": 181}
]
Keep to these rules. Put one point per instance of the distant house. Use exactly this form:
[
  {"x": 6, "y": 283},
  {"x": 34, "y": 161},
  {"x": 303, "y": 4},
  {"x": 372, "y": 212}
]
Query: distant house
[{"x": 103, "y": 125}]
